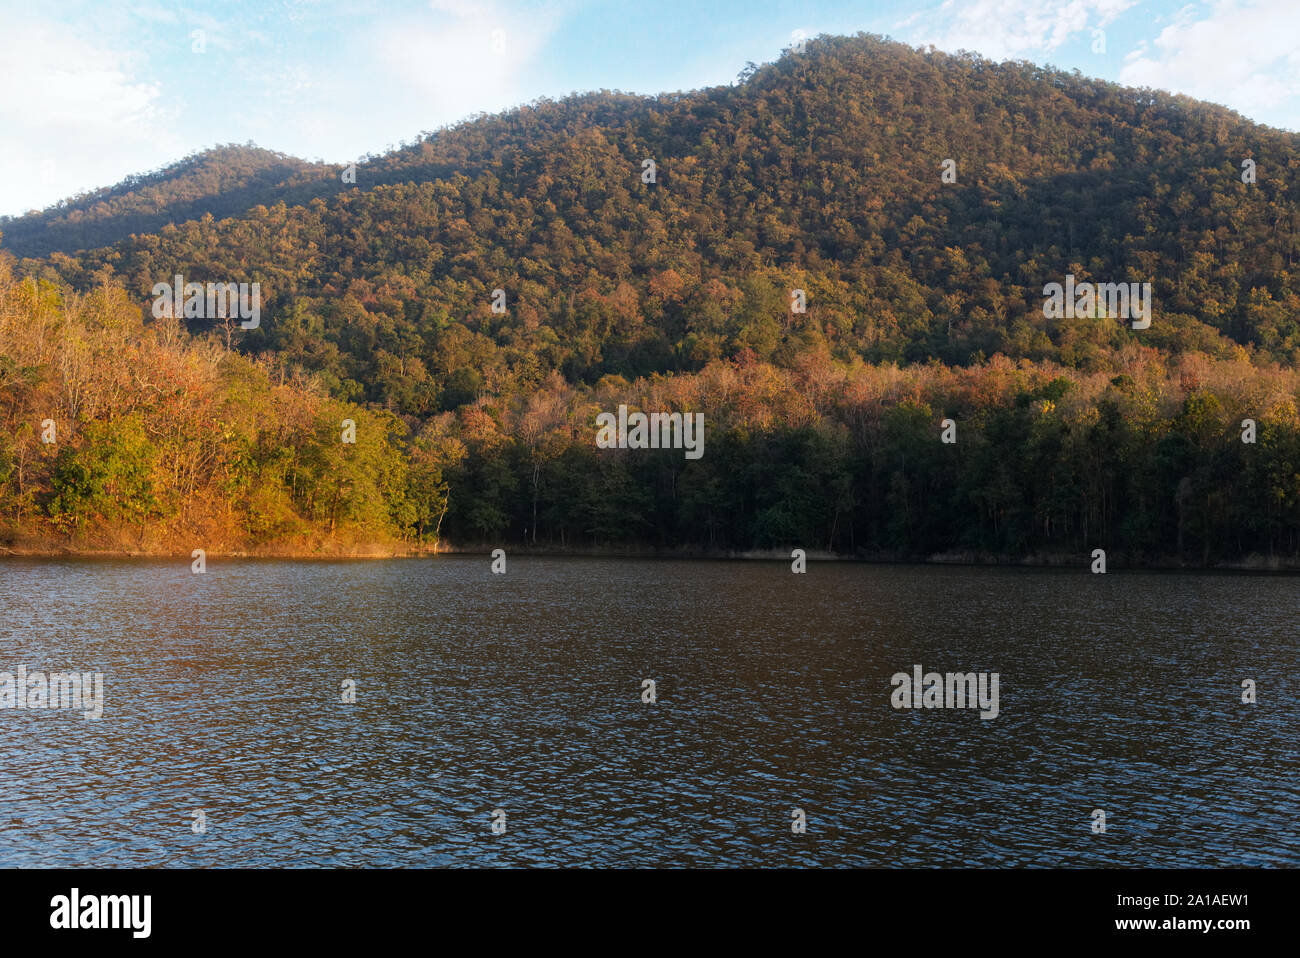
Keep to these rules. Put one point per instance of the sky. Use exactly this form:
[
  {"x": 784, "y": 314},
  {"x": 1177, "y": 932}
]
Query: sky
[{"x": 93, "y": 91}]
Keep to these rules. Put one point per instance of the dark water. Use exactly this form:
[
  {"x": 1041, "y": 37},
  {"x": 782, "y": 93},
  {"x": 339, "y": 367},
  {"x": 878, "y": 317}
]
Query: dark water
[{"x": 523, "y": 692}]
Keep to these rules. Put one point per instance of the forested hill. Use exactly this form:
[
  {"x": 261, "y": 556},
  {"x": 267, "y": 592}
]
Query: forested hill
[
  {"x": 224, "y": 181},
  {"x": 821, "y": 172},
  {"x": 230, "y": 180}
]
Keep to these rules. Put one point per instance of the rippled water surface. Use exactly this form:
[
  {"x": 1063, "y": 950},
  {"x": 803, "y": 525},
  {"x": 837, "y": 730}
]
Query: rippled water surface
[{"x": 523, "y": 692}]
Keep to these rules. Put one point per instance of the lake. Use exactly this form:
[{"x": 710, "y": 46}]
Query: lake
[{"x": 523, "y": 693}]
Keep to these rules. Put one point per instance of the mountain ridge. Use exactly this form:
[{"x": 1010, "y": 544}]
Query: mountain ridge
[{"x": 820, "y": 174}]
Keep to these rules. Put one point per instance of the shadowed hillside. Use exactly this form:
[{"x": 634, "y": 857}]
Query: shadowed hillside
[{"x": 225, "y": 181}]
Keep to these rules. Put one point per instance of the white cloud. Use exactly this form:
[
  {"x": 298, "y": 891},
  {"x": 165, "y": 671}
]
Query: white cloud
[
  {"x": 1014, "y": 29},
  {"x": 400, "y": 76},
  {"x": 1244, "y": 55},
  {"x": 465, "y": 57},
  {"x": 80, "y": 108},
  {"x": 71, "y": 113}
]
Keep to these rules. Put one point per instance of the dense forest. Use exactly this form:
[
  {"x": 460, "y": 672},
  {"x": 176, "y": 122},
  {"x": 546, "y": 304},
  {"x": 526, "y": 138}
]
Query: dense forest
[
  {"x": 224, "y": 181},
  {"x": 820, "y": 172}
]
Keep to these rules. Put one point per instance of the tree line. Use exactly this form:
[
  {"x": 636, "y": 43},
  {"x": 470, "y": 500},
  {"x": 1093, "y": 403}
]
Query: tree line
[{"x": 169, "y": 441}]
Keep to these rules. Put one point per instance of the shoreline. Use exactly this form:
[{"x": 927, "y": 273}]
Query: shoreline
[{"x": 371, "y": 551}]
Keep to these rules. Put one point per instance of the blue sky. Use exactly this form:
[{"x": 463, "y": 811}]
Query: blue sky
[{"x": 93, "y": 91}]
